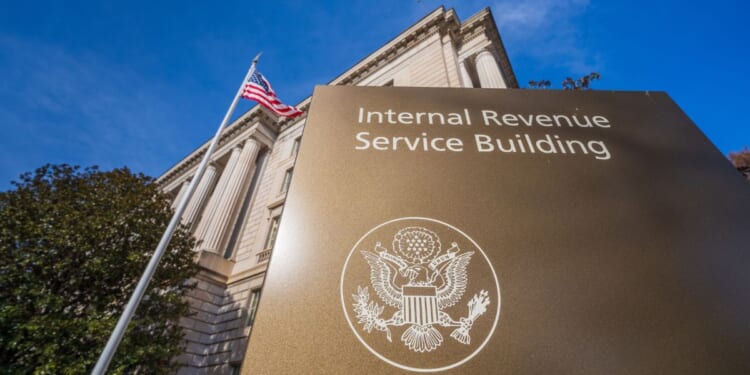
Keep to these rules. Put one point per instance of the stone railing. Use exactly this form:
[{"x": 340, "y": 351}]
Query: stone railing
[{"x": 264, "y": 255}]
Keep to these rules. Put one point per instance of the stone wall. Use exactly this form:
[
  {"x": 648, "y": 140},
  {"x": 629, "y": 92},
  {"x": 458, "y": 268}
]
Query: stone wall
[{"x": 437, "y": 51}]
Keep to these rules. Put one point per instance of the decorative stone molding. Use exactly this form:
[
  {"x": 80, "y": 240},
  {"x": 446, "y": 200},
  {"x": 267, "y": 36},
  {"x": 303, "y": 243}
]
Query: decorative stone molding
[
  {"x": 215, "y": 265},
  {"x": 265, "y": 122},
  {"x": 483, "y": 24},
  {"x": 439, "y": 21}
]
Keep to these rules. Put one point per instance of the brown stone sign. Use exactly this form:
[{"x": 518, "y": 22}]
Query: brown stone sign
[{"x": 506, "y": 231}]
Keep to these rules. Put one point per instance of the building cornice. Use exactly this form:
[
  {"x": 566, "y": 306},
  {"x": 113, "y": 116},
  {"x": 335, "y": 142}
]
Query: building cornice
[
  {"x": 424, "y": 28},
  {"x": 260, "y": 116},
  {"x": 483, "y": 23},
  {"x": 438, "y": 21}
]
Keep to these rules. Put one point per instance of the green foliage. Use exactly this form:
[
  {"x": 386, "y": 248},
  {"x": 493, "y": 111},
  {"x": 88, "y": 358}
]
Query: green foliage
[
  {"x": 580, "y": 84},
  {"x": 541, "y": 84},
  {"x": 74, "y": 244}
]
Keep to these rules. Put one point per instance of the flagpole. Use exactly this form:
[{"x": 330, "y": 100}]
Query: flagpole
[{"x": 114, "y": 340}]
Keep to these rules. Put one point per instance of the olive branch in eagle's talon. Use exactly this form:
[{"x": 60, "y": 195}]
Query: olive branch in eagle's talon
[{"x": 368, "y": 313}]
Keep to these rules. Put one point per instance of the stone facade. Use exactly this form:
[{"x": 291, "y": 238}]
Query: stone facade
[{"x": 235, "y": 210}]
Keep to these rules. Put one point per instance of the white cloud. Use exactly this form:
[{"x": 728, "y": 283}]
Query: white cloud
[{"x": 548, "y": 31}]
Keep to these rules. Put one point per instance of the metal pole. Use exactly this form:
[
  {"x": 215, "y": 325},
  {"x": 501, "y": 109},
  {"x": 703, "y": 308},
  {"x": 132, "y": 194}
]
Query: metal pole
[{"x": 140, "y": 289}]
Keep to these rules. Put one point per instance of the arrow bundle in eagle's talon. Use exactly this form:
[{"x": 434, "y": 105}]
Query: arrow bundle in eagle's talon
[{"x": 477, "y": 306}]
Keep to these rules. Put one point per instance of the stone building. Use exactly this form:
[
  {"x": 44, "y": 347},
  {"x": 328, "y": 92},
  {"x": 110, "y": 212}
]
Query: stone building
[{"x": 235, "y": 211}]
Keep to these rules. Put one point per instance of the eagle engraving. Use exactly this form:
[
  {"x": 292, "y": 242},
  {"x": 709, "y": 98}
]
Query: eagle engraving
[{"x": 420, "y": 283}]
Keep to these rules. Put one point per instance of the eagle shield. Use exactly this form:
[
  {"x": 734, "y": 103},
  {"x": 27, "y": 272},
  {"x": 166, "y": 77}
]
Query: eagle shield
[{"x": 420, "y": 282}]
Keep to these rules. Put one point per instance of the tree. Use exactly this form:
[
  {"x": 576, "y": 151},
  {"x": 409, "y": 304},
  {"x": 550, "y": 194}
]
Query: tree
[
  {"x": 741, "y": 161},
  {"x": 580, "y": 84},
  {"x": 74, "y": 244},
  {"x": 541, "y": 85}
]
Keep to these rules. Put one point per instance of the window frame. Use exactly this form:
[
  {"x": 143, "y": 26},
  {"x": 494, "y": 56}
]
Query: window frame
[
  {"x": 252, "y": 306},
  {"x": 273, "y": 232},
  {"x": 287, "y": 180},
  {"x": 295, "y": 146}
]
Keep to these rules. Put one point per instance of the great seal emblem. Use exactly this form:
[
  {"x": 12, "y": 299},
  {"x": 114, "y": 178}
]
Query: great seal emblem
[{"x": 429, "y": 280}]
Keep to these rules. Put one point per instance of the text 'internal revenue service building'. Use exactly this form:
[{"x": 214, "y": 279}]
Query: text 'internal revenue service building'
[{"x": 484, "y": 231}]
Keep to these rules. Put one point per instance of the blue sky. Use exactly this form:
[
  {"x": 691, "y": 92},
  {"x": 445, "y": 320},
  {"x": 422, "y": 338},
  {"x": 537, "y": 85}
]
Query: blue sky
[{"x": 143, "y": 83}]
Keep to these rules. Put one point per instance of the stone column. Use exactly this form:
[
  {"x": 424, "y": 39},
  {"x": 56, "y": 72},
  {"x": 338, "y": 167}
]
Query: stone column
[
  {"x": 488, "y": 71},
  {"x": 199, "y": 196},
  {"x": 222, "y": 215},
  {"x": 450, "y": 59},
  {"x": 465, "y": 78},
  {"x": 180, "y": 194},
  {"x": 213, "y": 200}
]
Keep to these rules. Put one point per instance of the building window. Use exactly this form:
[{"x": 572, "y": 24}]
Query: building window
[
  {"x": 252, "y": 307},
  {"x": 295, "y": 146},
  {"x": 272, "y": 232},
  {"x": 287, "y": 180}
]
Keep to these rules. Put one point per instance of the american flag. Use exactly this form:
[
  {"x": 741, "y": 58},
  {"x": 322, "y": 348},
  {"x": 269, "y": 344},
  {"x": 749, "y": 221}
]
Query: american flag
[{"x": 259, "y": 89}]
